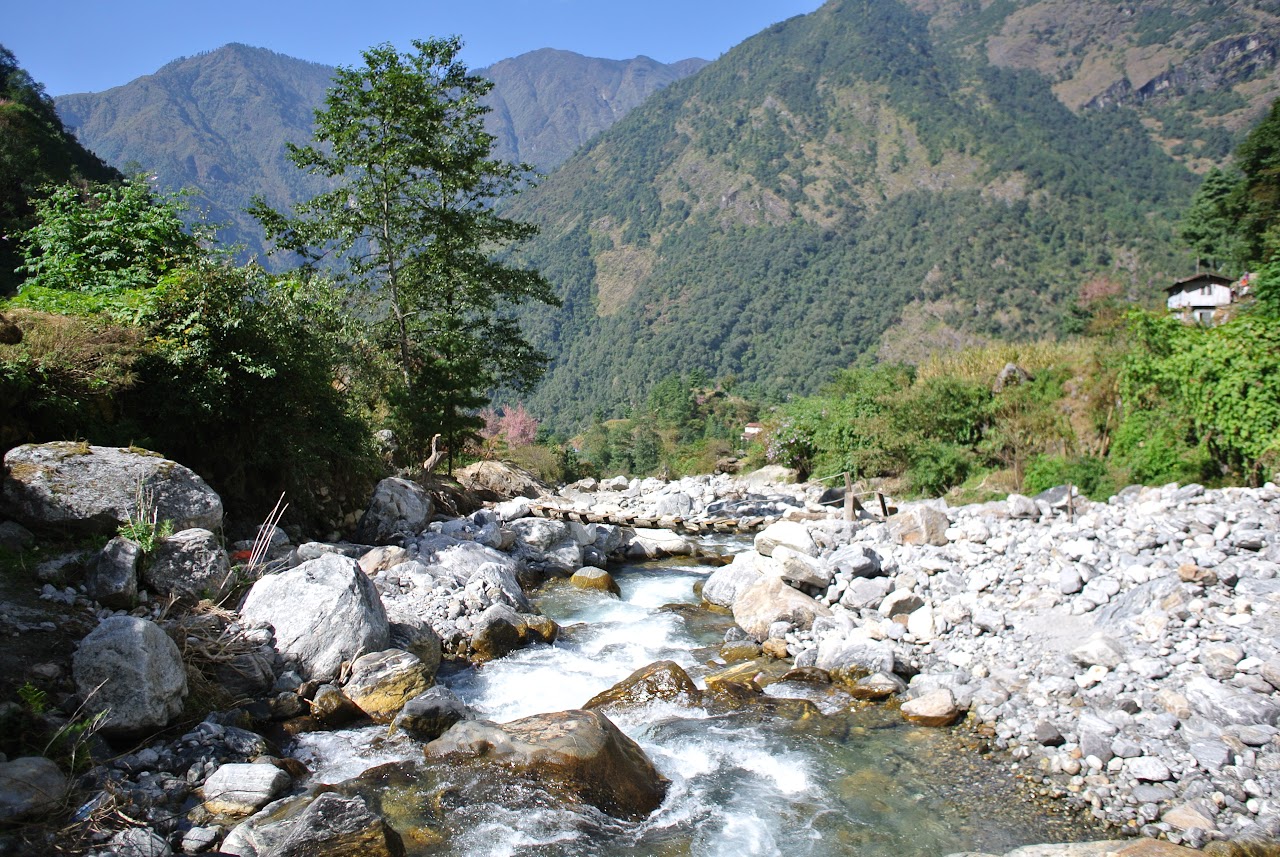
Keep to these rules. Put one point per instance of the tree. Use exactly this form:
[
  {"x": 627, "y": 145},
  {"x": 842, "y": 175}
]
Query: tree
[
  {"x": 410, "y": 227},
  {"x": 106, "y": 238}
]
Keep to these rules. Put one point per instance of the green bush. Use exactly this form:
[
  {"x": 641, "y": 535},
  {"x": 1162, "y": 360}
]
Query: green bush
[
  {"x": 937, "y": 467},
  {"x": 1087, "y": 473}
]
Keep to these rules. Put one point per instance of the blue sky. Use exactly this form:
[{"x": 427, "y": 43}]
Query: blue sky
[{"x": 87, "y": 46}]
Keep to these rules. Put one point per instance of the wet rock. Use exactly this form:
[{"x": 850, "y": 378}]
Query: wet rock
[
  {"x": 324, "y": 612},
  {"x": 189, "y": 564},
  {"x": 429, "y": 715},
  {"x": 29, "y": 786},
  {"x": 329, "y": 823},
  {"x": 331, "y": 707},
  {"x": 661, "y": 680},
  {"x": 240, "y": 789},
  {"x": 577, "y": 754},
  {"x": 398, "y": 507},
  {"x": 770, "y": 600},
  {"x": 382, "y": 682},
  {"x": 500, "y": 630},
  {"x": 936, "y": 708},
  {"x": 129, "y": 668},
  {"x": 595, "y": 579},
  {"x": 113, "y": 578},
  {"x": 739, "y": 650},
  {"x": 94, "y": 489},
  {"x": 877, "y": 686}
]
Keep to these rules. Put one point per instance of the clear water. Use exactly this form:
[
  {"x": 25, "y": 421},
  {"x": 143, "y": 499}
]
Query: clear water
[{"x": 748, "y": 783}]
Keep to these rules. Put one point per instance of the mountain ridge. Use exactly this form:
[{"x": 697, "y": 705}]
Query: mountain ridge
[{"x": 218, "y": 121}]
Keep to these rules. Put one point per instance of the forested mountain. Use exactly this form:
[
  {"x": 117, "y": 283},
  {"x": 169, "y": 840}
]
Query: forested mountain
[
  {"x": 865, "y": 180},
  {"x": 34, "y": 149},
  {"x": 217, "y": 122},
  {"x": 1198, "y": 71}
]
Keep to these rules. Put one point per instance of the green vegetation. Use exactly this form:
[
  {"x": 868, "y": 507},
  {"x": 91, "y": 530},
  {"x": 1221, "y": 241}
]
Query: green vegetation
[
  {"x": 772, "y": 217},
  {"x": 412, "y": 224},
  {"x": 36, "y": 150}
]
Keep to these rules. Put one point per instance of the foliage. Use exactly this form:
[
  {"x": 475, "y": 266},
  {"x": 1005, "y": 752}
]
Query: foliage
[
  {"x": 258, "y": 381},
  {"x": 1233, "y": 218},
  {"x": 752, "y": 223},
  {"x": 106, "y": 239},
  {"x": 35, "y": 149},
  {"x": 411, "y": 229},
  {"x": 1087, "y": 473},
  {"x": 145, "y": 528}
]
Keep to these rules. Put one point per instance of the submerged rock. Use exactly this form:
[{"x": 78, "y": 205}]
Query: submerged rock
[
  {"x": 429, "y": 715},
  {"x": 329, "y": 823},
  {"x": 595, "y": 578},
  {"x": 579, "y": 755},
  {"x": 660, "y": 680}
]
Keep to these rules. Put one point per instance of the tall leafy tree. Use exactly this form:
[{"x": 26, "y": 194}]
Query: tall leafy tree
[{"x": 410, "y": 226}]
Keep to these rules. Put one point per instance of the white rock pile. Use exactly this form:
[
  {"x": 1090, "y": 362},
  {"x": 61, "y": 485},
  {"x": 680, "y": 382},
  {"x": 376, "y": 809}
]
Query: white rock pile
[{"x": 1126, "y": 652}]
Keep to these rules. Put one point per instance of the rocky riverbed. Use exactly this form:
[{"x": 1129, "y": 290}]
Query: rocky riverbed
[{"x": 1123, "y": 656}]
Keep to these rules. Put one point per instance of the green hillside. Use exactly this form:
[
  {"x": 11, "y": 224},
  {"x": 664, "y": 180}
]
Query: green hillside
[
  {"x": 217, "y": 122},
  {"x": 843, "y": 184}
]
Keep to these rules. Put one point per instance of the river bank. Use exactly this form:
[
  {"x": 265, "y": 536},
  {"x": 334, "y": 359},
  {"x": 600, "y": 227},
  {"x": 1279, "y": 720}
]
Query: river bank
[{"x": 1121, "y": 656}]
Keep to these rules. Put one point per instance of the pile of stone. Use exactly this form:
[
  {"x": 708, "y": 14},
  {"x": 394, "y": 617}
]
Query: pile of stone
[
  {"x": 1126, "y": 652},
  {"x": 694, "y": 498}
]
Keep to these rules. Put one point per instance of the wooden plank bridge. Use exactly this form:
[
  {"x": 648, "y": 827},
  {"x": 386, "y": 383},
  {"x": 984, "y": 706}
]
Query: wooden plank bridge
[{"x": 692, "y": 527}]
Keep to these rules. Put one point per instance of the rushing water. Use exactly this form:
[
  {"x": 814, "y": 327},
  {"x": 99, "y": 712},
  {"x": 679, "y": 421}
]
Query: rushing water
[{"x": 747, "y": 783}]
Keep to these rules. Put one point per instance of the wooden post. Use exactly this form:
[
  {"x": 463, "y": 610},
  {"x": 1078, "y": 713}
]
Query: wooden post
[
  {"x": 848, "y": 496},
  {"x": 1071, "y": 504},
  {"x": 884, "y": 509}
]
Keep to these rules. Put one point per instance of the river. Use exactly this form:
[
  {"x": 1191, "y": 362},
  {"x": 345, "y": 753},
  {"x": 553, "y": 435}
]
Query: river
[{"x": 856, "y": 780}]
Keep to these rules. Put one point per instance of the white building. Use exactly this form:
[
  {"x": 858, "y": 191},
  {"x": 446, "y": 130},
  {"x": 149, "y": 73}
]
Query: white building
[{"x": 1198, "y": 298}]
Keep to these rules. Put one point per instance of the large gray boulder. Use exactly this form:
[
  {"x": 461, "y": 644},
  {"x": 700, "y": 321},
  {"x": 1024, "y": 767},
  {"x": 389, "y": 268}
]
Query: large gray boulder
[
  {"x": 324, "y": 612},
  {"x": 398, "y": 507},
  {"x": 578, "y": 755},
  {"x": 770, "y": 600},
  {"x": 727, "y": 583},
  {"x": 95, "y": 489},
  {"x": 130, "y": 669},
  {"x": 792, "y": 534},
  {"x": 189, "y": 564}
]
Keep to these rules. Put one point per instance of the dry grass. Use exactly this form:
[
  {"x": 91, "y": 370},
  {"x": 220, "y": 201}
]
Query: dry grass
[
  {"x": 85, "y": 353},
  {"x": 981, "y": 365}
]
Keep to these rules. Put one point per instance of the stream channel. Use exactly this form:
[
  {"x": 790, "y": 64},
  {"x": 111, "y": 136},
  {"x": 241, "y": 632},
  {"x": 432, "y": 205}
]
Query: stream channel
[{"x": 856, "y": 780}]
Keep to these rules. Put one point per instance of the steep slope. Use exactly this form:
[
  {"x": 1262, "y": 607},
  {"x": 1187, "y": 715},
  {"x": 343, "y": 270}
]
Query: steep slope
[
  {"x": 35, "y": 149},
  {"x": 218, "y": 122},
  {"x": 215, "y": 123},
  {"x": 840, "y": 184},
  {"x": 547, "y": 103},
  {"x": 1198, "y": 71}
]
